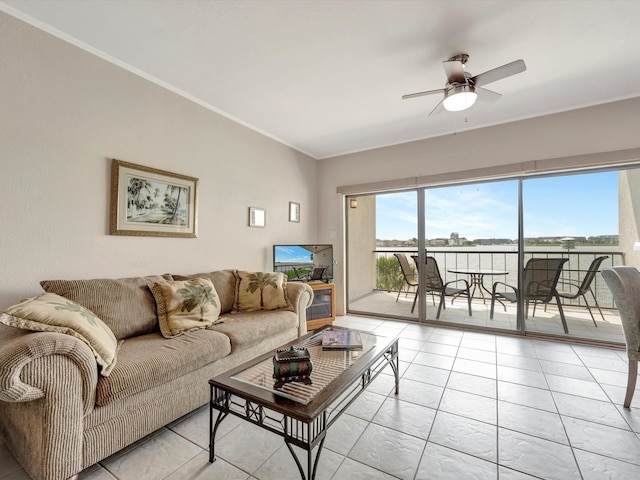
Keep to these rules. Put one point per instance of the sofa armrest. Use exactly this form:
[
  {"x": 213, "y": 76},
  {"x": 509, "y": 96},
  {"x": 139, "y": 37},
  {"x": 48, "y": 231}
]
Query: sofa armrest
[
  {"x": 300, "y": 295},
  {"x": 20, "y": 348}
]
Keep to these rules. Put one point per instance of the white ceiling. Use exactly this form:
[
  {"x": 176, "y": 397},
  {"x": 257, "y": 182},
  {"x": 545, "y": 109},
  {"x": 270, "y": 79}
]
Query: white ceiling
[{"x": 326, "y": 77}]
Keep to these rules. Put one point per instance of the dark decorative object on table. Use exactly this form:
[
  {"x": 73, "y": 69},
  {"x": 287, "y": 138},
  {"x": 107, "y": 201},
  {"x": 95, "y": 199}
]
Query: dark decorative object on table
[{"x": 292, "y": 364}]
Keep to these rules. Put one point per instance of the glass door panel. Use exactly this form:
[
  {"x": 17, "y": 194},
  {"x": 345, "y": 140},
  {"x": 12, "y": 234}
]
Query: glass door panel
[
  {"x": 573, "y": 217},
  {"x": 471, "y": 235},
  {"x": 381, "y": 235}
]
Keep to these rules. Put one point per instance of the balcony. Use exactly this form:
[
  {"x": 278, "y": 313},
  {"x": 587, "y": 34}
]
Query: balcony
[{"x": 381, "y": 299}]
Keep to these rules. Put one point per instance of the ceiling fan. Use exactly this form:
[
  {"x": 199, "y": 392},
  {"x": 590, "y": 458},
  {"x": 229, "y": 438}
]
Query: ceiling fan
[{"x": 462, "y": 89}]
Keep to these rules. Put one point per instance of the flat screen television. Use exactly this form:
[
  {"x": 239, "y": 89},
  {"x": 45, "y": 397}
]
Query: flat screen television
[{"x": 304, "y": 263}]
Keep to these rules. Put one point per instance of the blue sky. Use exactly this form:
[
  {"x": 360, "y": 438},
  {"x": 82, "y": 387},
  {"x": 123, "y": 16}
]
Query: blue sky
[
  {"x": 570, "y": 205},
  {"x": 292, "y": 254}
]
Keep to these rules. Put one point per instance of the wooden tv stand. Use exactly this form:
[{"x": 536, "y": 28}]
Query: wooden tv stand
[{"x": 323, "y": 309}]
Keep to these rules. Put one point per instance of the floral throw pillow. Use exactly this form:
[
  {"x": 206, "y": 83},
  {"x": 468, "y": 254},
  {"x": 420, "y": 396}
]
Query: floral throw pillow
[
  {"x": 261, "y": 291},
  {"x": 185, "y": 305},
  {"x": 50, "y": 312}
]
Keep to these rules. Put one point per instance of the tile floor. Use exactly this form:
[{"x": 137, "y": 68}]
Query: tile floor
[{"x": 471, "y": 406}]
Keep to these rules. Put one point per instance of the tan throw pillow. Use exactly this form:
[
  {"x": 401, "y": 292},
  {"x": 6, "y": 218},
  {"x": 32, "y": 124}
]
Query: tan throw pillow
[
  {"x": 261, "y": 291},
  {"x": 185, "y": 305},
  {"x": 50, "y": 312}
]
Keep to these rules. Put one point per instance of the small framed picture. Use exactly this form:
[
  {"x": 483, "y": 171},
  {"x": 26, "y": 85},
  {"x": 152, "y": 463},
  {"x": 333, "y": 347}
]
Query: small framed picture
[
  {"x": 257, "y": 217},
  {"x": 294, "y": 212}
]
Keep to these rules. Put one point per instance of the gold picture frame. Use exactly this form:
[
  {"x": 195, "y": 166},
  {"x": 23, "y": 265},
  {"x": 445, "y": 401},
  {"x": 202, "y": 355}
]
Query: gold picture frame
[{"x": 150, "y": 202}]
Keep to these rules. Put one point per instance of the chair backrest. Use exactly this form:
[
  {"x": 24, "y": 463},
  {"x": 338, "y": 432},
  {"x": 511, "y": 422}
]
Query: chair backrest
[
  {"x": 407, "y": 271},
  {"x": 318, "y": 273},
  {"x": 624, "y": 283},
  {"x": 297, "y": 274},
  {"x": 433, "y": 279},
  {"x": 541, "y": 277},
  {"x": 591, "y": 274}
]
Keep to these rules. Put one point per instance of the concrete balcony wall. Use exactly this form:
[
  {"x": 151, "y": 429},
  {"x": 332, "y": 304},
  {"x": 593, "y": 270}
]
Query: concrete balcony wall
[{"x": 361, "y": 241}]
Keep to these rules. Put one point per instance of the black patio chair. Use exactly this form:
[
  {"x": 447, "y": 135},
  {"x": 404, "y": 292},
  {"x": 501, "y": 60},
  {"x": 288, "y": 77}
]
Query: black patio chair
[
  {"x": 435, "y": 286},
  {"x": 318, "y": 273},
  {"x": 585, "y": 287},
  {"x": 540, "y": 282}
]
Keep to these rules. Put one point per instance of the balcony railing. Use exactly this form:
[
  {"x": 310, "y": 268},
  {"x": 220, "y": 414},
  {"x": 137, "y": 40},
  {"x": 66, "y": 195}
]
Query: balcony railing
[{"x": 389, "y": 275}]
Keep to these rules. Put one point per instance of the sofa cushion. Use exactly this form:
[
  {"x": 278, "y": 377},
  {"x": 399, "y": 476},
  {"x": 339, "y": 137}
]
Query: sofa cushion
[
  {"x": 261, "y": 291},
  {"x": 126, "y": 305},
  {"x": 149, "y": 360},
  {"x": 185, "y": 305},
  {"x": 224, "y": 281},
  {"x": 249, "y": 329},
  {"x": 52, "y": 313}
]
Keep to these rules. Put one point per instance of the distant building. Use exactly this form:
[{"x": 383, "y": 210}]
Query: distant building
[{"x": 438, "y": 242}]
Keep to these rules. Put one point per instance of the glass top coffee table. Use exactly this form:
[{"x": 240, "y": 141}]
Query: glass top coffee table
[{"x": 300, "y": 413}]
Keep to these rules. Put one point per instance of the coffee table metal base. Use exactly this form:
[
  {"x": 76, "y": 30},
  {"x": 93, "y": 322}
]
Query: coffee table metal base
[{"x": 305, "y": 434}]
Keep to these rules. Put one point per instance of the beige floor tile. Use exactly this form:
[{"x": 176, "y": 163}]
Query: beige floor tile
[
  {"x": 465, "y": 435},
  {"x": 388, "y": 450},
  {"x": 441, "y": 463},
  {"x": 199, "y": 468},
  {"x": 536, "y": 456},
  {"x": 155, "y": 458}
]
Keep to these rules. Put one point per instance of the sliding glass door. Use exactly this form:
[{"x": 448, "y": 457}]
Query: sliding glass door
[
  {"x": 474, "y": 241},
  {"x": 382, "y": 237}
]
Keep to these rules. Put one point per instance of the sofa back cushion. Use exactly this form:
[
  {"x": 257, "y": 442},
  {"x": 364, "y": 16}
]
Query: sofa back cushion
[
  {"x": 126, "y": 305},
  {"x": 224, "y": 282},
  {"x": 185, "y": 305},
  {"x": 261, "y": 291}
]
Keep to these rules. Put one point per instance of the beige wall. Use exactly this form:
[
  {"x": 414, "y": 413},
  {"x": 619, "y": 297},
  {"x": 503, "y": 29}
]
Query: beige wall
[
  {"x": 603, "y": 128},
  {"x": 64, "y": 114}
]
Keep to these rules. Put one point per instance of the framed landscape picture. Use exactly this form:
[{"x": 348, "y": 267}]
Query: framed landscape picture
[{"x": 150, "y": 202}]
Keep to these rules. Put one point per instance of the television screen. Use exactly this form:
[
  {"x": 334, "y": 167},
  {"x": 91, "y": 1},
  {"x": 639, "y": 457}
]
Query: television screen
[{"x": 304, "y": 263}]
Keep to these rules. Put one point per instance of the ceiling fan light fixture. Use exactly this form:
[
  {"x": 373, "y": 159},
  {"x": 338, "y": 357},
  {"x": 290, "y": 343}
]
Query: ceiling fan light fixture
[{"x": 459, "y": 97}]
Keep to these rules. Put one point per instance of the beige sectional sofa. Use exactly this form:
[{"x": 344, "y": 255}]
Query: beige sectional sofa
[{"x": 59, "y": 414}]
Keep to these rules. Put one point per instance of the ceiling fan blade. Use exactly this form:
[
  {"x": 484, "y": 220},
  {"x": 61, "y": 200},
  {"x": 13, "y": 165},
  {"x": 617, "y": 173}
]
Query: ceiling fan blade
[
  {"x": 488, "y": 95},
  {"x": 438, "y": 108},
  {"x": 420, "y": 94},
  {"x": 455, "y": 71},
  {"x": 499, "y": 73}
]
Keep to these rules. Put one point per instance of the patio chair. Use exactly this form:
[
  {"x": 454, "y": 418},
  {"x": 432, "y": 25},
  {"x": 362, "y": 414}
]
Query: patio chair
[
  {"x": 435, "y": 286},
  {"x": 541, "y": 277},
  {"x": 410, "y": 277},
  {"x": 624, "y": 283},
  {"x": 318, "y": 273},
  {"x": 300, "y": 275},
  {"x": 585, "y": 287}
]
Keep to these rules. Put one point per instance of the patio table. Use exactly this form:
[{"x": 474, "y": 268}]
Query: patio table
[{"x": 477, "y": 280}]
